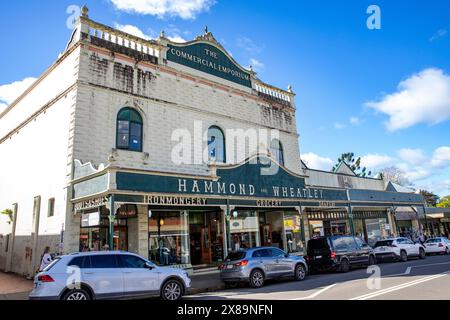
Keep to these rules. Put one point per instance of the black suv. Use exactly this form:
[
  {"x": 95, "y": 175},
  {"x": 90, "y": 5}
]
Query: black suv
[{"x": 338, "y": 253}]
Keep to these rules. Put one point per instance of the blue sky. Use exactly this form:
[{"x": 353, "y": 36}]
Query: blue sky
[{"x": 382, "y": 94}]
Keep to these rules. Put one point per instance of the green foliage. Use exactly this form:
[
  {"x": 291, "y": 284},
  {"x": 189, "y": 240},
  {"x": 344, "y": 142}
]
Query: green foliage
[
  {"x": 430, "y": 198},
  {"x": 444, "y": 203},
  {"x": 9, "y": 213},
  {"x": 354, "y": 164}
]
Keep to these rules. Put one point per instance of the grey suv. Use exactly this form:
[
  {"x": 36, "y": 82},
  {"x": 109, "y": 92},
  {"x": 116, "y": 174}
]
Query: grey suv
[{"x": 256, "y": 265}]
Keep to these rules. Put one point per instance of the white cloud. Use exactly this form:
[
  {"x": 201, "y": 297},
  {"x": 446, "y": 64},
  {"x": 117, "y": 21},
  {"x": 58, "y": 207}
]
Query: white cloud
[
  {"x": 257, "y": 65},
  {"x": 133, "y": 30},
  {"x": 439, "y": 34},
  {"x": 10, "y": 92},
  {"x": 339, "y": 126},
  {"x": 176, "y": 38},
  {"x": 354, "y": 121},
  {"x": 413, "y": 156},
  {"x": 172, "y": 32},
  {"x": 185, "y": 9},
  {"x": 376, "y": 161},
  {"x": 314, "y": 161},
  {"x": 248, "y": 45},
  {"x": 441, "y": 157},
  {"x": 422, "y": 98}
]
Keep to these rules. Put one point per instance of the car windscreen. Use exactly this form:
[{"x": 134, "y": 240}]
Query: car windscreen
[
  {"x": 318, "y": 246},
  {"x": 235, "y": 256},
  {"x": 384, "y": 243}
]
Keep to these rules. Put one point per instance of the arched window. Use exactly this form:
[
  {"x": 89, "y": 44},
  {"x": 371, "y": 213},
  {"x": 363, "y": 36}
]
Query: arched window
[
  {"x": 276, "y": 149},
  {"x": 216, "y": 144},
  {"x": 129, "y": 130}
]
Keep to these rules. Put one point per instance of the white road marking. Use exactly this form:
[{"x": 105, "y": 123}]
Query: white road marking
[
  {"x": 399, "y": 287},
  {"x": 312, "y": 296}
]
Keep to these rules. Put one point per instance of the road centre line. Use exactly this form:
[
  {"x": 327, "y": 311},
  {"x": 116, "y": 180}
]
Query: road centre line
[
  {"x": 312, "y": 296},
  {"x": 408, "y": 270},
  {"x": 399, "y": 287}
]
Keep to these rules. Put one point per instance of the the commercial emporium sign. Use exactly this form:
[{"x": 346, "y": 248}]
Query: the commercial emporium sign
[{"x": 210, "y": 59}]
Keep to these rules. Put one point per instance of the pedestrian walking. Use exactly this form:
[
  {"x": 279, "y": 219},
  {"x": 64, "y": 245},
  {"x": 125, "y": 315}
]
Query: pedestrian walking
[
  {"x": 422, "y": 238},
  {"x": 46, "y": 259}
]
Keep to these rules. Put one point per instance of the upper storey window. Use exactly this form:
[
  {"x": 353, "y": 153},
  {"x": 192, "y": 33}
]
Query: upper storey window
[
  {"x": 216, "y": 144},
  {"x": 276, "y": 149},
  {"x": 129, "y": 130}
]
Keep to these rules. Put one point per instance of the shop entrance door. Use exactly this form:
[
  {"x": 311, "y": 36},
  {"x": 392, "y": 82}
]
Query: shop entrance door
[
  {"x": 206, "y": 237},
  {"x": 121, "y": 238},
  {"x": 272, "y": 229}
]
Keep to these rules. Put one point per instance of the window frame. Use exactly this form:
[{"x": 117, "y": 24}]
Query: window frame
[
  {"x": 51, "y": 207},
  {"x": 130, "y": 122},
  {"x": 224, "y": 144},
  {"x": 280, "y": 151}
]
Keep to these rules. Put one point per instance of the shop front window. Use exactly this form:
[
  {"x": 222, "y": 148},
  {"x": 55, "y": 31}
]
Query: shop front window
[
  {"x": 293, "y": 230},
  {"x": 376, "y": 230},
  {"x": 244, "y": 230},
  {"x": 169, "y": 238}
]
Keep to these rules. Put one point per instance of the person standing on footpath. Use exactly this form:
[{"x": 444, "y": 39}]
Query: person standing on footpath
[{"x": 46, "y": 259}]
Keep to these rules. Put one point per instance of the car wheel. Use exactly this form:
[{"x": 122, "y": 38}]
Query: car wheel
[
  {"x": 300, "y": 272},
  {"x": 372, "y": 261},
  {"x": 77, "y": 294},
  {"x": 345, "y": 266},
  {"x": 256, "y": 279},
  {"x": 172, "y": 290},
  {"x": 403, "y": 256},
  {"x": 447, "y": 250},
  {"x": 422, "y": 253}
]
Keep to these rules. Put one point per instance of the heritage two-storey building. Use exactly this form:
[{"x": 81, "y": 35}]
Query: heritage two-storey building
[{"x": 170, "y": 150}]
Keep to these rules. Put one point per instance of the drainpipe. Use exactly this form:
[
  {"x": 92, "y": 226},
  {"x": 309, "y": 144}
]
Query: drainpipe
[
  {"x": 111, "y": 222},
  {"x": 425, "y": 216},
  {"x": 228, "y": 231},
  {"x": 350, "y": 214}
]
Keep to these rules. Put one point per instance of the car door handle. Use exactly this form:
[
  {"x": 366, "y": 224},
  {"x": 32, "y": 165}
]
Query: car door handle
[{"x": 89, "y": 273}]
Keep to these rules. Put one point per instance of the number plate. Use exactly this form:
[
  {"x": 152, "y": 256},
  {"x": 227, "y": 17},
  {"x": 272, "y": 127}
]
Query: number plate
[
  {"x": 318, "y": 257},
  {"x": 230, "y": 266}
]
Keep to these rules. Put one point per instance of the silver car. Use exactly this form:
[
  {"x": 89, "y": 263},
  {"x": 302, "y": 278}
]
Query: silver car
[
  {"x": 256, "y": 265},
  {"x": 108, "y": 275}
]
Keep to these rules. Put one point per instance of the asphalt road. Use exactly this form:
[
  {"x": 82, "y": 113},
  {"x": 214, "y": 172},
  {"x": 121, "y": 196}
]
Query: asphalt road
[{"x": 427, "y": 279}]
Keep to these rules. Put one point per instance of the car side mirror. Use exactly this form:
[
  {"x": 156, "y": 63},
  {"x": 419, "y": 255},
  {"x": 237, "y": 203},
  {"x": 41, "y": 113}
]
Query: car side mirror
[
  {"x": 286, "y": 255},
  {"x": 148, "y": 266}
]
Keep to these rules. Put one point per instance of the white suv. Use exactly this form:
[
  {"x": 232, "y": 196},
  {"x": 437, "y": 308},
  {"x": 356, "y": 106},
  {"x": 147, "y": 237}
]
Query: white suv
[
  {"x": 437, "y": 245},
  {"x": 399, "y": 249},
  {"x": 108, "y": 275}
]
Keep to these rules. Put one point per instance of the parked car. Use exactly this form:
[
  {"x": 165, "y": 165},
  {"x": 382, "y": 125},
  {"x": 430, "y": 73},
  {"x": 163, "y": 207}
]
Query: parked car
[
  {"x": 398, "y": 249},
  {"x": 108, "y": 275},
  {"x": 437, "y": 245},
  {"x": 256, "y": 265},
  {"x": 338, "y": 253}
]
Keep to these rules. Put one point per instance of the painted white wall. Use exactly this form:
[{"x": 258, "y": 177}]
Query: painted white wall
[{"x": 34, "y": 161}]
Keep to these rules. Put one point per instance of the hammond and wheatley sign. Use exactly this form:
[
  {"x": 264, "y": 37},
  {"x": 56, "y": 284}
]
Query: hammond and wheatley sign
[
  {"x": 209, "y": 59},
  {"x": 244, "y": 181}
]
